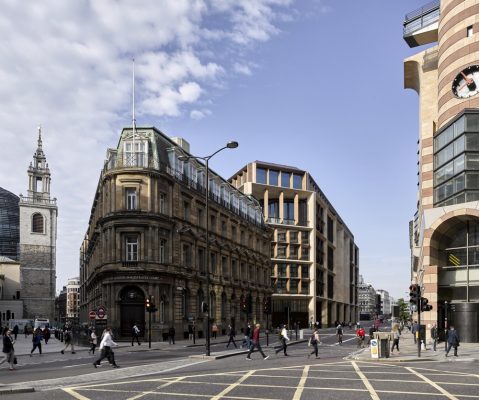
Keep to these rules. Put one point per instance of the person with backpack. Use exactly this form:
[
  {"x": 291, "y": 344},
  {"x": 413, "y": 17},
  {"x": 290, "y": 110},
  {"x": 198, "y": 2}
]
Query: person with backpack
[
  {"x": 339, "y": 334},
  {"x": 283, "y": 337},
  {"x": 68, "y": 338},
  {"x": 314, "y": 341},
  {"x": 360, "y": 334},
  {"x": 135, "y": 333},
  {"x": 37, "y": 341},
  {"x": 231, "y": 335},
  {"x": 247, "y": 337}
]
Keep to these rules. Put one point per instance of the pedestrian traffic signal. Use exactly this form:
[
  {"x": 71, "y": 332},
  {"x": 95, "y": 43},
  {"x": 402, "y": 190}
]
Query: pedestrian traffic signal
[
  {"x": 204, "y": 307},
  {"x": 267, "y": 305},
  {"x": 424, "y": 305},
  {"x": 415, "y": 294}
]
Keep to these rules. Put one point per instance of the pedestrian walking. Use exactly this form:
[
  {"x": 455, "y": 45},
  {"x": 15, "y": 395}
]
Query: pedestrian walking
[
  {"x": 106, "y": 352},
  {"x": 339, "y": 334},
  {"x": 171, "y": 334},
  {"x": 15, "y": 331},
  {"x": 283, "y": 337},
  {"x": 68, "y": 338},
  {"x": 190, "y": 332},
  {"x": 46, "y": 334},
  {"x": 434, "y": 336},
  {"x": 255, "y": 343},
  {"x": 452, "y": 341},
  {"x": 314, "y": 341},
  {"x": 25, "y": 331},
  {"x": 360, "y": 334},
  {"x": 414, "y": 331},
  {"x": 214, "y": 330},
  {"x": 135, "y": 333},
  {"x": 247, "y": 337},
  {"x": 37, "y": 341},
  {"x": 8, "y": 350},
  {"x": 396, "y": 336},
  {"x": 231, "y": 335},
  {"x": 93, "y": 342}
]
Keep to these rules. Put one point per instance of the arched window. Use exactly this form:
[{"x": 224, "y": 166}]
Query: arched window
[{"x": 37, "y": 223}]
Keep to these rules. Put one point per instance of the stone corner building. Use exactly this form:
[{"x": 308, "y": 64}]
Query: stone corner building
[{"x": 146, "y": 237}]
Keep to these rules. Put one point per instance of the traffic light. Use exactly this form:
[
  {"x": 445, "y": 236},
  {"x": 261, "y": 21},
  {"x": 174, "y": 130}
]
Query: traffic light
[
  {"x": 424, "y": 305},
  {"x": 415, "y": 294},
  {"x": 267, "y": 305},
  {"x": 243, "y": 305},
  {"x": 204, "y": 307},
  {"x": 148, "y": 304}
]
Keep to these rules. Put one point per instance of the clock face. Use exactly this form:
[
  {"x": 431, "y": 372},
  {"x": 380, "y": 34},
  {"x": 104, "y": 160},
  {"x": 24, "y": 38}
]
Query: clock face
[{"x": 466, "y": 83}]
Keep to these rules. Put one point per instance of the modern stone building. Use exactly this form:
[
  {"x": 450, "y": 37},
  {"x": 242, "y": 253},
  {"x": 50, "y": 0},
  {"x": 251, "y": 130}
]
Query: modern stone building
[
  {"x": 385, "y": 307},
  {"x": 366, "y": 299},
  {"x": 38, "y": 234},
  {"x": 73, "y": 299},
  {"x": 146, "y": 237},
  {"x": 445, "y": 229},
  {"x": 315, "y": 262},
  {"x": 11, "y": 305}
]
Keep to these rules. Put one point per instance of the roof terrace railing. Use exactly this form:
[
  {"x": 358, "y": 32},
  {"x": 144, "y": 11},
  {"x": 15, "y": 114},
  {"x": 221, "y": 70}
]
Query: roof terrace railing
[{"x": 422, "y": 17}]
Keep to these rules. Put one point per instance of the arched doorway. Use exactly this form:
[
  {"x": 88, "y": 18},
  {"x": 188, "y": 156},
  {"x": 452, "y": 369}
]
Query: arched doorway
[
  {"x": 455, "y": 250},
  {"x": 132, "y": 310}
]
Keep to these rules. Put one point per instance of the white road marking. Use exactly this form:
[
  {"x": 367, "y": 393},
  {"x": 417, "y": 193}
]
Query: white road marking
[
  {"x": 139, "y": 396},
  {"x": 302, "y": 382},
  {"x": 368, "y": 385},
  {"x": 433, "y": 384},
  {"x": 234, "y": 385}
]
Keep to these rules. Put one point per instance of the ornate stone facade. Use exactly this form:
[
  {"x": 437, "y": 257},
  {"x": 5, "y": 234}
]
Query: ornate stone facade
[{"x": 146, "y": 237}]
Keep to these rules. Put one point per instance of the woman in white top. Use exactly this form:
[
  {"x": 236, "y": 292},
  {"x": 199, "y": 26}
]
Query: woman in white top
[
  {"x": 93, "y": 342},
  {"x": 106, "y": 352}
]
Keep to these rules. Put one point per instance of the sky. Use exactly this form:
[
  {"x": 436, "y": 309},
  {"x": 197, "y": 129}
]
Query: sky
[{"x": 315, "y": 84}]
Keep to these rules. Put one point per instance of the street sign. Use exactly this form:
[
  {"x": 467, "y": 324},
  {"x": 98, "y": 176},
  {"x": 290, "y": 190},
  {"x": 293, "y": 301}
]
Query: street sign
[
  {"x": 92, "y": 315},
  {"x": 101, "y": 312},
  {"x": 374, "y": 348}
]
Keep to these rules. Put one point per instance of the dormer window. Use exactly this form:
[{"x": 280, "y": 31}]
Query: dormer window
[{"x": 135, "y": 153}]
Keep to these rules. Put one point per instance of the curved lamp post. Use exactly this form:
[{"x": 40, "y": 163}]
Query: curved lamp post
[{"x": 206, "y": 159}]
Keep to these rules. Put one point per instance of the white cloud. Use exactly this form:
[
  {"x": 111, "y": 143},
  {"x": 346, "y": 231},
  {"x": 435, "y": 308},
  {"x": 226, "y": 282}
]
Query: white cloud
[
  {"x": 199, "y": 114},
  {"x": 242, "y": 69},
  {"x": 66, "y": 65}
]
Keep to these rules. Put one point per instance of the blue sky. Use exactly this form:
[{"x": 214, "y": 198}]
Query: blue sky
[{"x": 314, "y": 84}]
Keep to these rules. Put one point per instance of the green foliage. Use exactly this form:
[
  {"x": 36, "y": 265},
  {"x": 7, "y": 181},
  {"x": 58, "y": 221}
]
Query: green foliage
[{"x": 403, "y": 310}]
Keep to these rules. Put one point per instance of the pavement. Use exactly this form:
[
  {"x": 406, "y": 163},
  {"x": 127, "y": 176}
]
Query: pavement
[{"x": 409, "y": 352}]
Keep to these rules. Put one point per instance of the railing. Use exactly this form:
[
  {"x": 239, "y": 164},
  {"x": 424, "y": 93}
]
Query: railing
[
  {"x": 37, "y": 200},
  {"x": 421, "y": 17},
  {"x": 274, "y": 220},
  {"x": 129, "y": 161}
]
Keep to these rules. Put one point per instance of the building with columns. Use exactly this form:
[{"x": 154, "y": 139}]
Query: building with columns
[
  {"x": 445, "y": 229},
  {"x": 38, "y": 235},
  {"x": 315, "y": 262},
  {"x": 146, "y": 236}
]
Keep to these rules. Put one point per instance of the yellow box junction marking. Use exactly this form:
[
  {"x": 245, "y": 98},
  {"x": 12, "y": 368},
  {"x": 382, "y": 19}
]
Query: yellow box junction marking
[
  {"x": 368, "y": 385},
  {"x": 234, "y": 385},
  {"x": 433, "y": 384}
]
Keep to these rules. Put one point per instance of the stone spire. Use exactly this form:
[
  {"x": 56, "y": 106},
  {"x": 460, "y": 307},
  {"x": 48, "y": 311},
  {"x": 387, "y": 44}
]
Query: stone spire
[{"x": 39, "y": 173}]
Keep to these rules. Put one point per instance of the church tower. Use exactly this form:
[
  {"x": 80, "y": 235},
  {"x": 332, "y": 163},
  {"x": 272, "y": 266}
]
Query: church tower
[{"x": 38, "y": 235}]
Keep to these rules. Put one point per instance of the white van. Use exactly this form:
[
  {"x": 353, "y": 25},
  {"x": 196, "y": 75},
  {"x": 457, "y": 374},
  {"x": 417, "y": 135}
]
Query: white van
[{"x": 41, "y": 323}]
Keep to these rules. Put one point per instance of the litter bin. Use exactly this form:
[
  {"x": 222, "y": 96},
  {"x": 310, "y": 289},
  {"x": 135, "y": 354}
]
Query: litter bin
[{"x": 384, "y": 339}]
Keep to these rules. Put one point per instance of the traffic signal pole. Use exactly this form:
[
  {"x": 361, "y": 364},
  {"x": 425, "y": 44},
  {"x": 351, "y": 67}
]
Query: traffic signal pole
[
  {"x": 419, "y": 326},
  {"x": 149, "y": 329}
]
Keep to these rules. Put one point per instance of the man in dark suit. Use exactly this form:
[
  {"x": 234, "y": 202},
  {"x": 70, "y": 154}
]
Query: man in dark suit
[{"x": 452, "y": 341}]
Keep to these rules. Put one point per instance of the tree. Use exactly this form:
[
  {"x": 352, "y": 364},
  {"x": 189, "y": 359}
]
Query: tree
[{"x": 403, "y": 310}]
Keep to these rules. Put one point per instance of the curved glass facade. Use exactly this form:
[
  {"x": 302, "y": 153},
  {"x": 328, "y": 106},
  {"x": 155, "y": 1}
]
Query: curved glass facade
[
  {"x": 456, "y": 161},
  {"x": 9, "y": 224}
]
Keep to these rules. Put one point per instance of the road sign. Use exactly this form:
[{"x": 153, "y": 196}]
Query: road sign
[
  {"x": 92, "y": 314},
  {"x": 101, "y": 312}
]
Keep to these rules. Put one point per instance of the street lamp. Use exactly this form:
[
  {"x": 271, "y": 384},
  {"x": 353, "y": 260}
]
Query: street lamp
[{"x": 206, "y": 159}]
